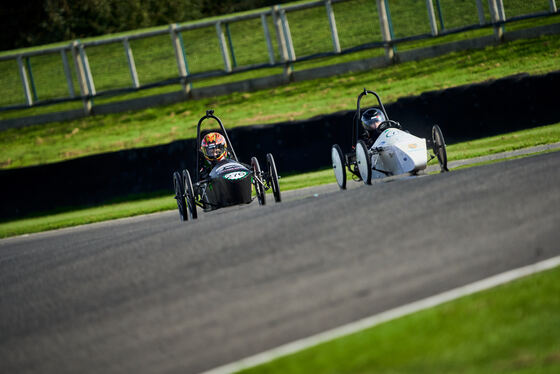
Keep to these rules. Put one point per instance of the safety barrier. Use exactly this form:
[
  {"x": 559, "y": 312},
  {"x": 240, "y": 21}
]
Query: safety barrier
[{"x": 187, "y": 53}]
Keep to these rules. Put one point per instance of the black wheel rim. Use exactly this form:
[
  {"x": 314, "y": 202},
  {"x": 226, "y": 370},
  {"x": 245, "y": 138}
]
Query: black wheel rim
[
  {"x": 439, "y": 147},
  {"x": 189, "y": 193},
  {"x": 181, "y": 205},
  {"x": 259, "y": 189},
  {"x": 273, "y": 174}
]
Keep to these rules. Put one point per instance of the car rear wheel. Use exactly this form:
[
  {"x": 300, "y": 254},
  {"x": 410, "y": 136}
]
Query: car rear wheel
[
  {"x": 439, "y": 148},
  {"x": 273, "y": 176},
  {"x": 364, "y": 161},
  {"x": 189, "y": 194},
  {"x": 257, "y": 181},
  {"x": 179, "y": 196},
  {"x": 339, "y": 166}
]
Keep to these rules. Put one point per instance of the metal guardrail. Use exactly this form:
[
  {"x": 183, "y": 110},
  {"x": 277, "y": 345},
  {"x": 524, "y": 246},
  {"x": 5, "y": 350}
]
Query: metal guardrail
[{"x": 280, "y": 51}]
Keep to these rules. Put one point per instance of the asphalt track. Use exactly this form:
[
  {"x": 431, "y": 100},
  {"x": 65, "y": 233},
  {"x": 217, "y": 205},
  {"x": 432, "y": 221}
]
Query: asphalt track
[{"x": 153, "y": 295}]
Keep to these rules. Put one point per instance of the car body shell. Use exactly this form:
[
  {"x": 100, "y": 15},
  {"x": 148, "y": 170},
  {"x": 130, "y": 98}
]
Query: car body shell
[
  {"x": 397, "y": 152},
  {"x": 229, "y": 183}
]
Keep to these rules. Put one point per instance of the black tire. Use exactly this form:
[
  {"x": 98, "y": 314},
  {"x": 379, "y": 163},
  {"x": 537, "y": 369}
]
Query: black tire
[
  {"x": 259, "y": 188},
  {"x": 189, "y": 194},
  {"x": 439, "y": 148},
  {"x": 179, "y": 196},
  {"x": 339, "y": 166},
  {"x": 273, "y": 176},
  {"x": 363, "y": 160}
]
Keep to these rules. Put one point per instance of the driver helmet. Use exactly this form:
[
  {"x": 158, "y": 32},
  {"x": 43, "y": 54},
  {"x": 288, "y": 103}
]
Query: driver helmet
[
  {"x": 372, "y": 118},
  {"x": 213, "y": 146}
]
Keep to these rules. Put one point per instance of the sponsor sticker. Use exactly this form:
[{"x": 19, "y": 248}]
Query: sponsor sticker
[
  {"x": 389, "y": 133},
  {"x": 413, "y": 145},
  {"x": 226, "y": 167},
  {"x": 235, "y": 175}
]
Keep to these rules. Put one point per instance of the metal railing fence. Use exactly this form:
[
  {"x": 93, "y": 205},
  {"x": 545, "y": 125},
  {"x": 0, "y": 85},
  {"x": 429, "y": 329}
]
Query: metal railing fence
[{"x": 278, "y": 36}]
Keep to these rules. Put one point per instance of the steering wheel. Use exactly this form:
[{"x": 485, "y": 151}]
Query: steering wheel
[{"x": 388, "y": 123}]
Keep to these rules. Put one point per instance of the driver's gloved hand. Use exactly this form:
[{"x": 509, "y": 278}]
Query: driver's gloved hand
[{"x": 203, "y": 174}]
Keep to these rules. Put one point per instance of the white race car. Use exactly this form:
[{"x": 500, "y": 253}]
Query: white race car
[{"x": 394, "y": 152}]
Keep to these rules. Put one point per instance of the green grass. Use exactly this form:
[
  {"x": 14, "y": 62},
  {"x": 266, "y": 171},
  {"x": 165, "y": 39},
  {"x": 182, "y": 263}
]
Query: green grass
[
  {"x": 81, "y": 216},
  {"x": 488, "y": 162},
  {"x": 144, "y": 204},
  {"x": 159, "y": 125},
  {"x": 512, "y": 328},
  {"x": 505, "y": 142}
]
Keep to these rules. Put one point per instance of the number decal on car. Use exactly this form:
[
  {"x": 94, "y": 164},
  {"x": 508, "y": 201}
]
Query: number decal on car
[{"x": 235, "y": 175}]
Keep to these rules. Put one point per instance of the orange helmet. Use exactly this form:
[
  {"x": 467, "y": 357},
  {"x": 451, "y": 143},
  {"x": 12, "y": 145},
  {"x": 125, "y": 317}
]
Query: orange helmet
[{"x": 213, "y": 146}]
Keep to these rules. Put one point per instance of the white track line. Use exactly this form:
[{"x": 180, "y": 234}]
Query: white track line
[{"x": 377, "y": 319}]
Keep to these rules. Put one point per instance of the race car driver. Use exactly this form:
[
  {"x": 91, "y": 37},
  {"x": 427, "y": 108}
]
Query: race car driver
[
  {"x": 214, "y": 149},
  {"x": 371, "y": 119}
]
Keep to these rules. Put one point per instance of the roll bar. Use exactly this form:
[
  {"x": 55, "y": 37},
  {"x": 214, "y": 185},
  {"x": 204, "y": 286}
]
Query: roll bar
[
  {"x": 355, "y": 129},
  {"x": 210, "y": 114}
]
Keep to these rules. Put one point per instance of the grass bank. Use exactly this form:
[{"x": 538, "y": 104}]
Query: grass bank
[
  {"x": 159, "y": 125},
  {"x": 144, "y": 204}
]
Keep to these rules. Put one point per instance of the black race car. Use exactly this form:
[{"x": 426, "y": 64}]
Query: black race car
[{"x": 228, "y": 183}]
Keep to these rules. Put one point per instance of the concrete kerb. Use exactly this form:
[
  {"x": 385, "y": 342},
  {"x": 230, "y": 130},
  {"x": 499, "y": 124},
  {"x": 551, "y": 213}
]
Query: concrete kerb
[{"x": 280, "y": 79}]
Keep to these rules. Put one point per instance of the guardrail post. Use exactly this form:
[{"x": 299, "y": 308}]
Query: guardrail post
[
  {"x": 230, "y": 46},
  {"x": 279, "y": 33},
  {"x": 180, "y": 57},
  {"x": 89, "y": 77},
  {"x": 480, "y": 9},
  {"x": 385, "y": 31},
  {"x": 287, "y": 35},
  {"x": 24, "y": 81},
  {"x": 82, "y": 79},
  {"x": 131, "y": 64},
  {"x": 67, "y": 73},
  {"x": 440, "y": 16},
  {"x": 31, "y": 80},
  {"x": 332, "y": 23},
  {"x": 553, "y": 8},
  {"x": 268, "y": 40},
  {"x": 501, "y": 11},
  {"x": 432, "y": 17},
  {"x": 281, "y": 37},
  {"x": 495, "y": 15},
  {"x": 223, "y": 47}
]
